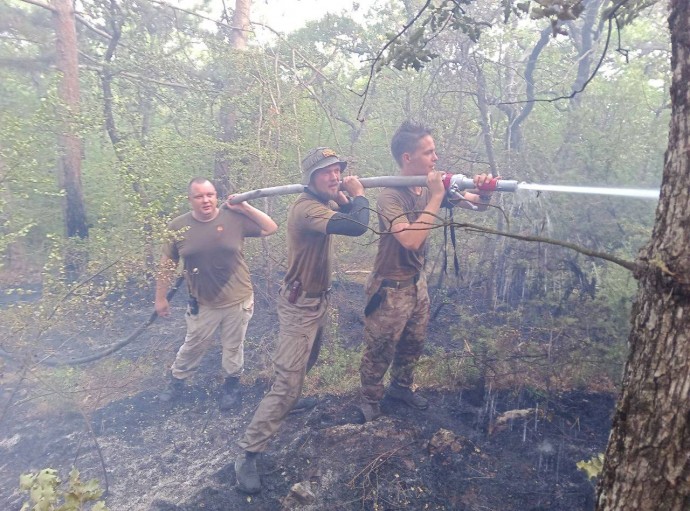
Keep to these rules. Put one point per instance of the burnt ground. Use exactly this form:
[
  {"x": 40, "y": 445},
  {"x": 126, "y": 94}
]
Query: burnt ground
[{"x": 464, "y": 453}]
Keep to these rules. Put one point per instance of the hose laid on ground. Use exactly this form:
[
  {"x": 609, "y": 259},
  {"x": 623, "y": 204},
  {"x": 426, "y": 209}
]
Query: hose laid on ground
[{"x": 48, "y": 361}]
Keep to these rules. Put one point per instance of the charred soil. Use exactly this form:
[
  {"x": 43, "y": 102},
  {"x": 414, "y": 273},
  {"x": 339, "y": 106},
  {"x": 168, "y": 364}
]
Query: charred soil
[{"x": 473, "y": 449}]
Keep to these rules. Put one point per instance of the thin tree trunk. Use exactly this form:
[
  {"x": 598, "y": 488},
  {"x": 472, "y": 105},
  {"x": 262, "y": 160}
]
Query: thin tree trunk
[{"x": 647, "y": 466}]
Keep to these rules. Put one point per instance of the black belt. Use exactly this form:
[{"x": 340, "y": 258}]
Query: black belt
[
  {"x": 320, "y": 294},
  {"x": 399, "y": 284}
]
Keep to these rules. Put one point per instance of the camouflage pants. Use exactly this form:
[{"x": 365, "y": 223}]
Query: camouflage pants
[
  {"x": 394, "y": 334},
  {"x": 232, "y": 320},
  {"x": 301, "y": 325}
]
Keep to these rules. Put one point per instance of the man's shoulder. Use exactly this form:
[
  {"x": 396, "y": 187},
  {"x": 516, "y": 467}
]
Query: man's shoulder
[
  {"x": 180, "y": 221},
  {"x": 306, "y": 201},
  {"x": 308, "y": 213}
]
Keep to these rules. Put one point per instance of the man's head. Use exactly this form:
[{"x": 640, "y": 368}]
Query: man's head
[
  {"x": 202, "y": 198},
  {"x": 413, "y": 148},
  {"x": 321, "y": 169}
]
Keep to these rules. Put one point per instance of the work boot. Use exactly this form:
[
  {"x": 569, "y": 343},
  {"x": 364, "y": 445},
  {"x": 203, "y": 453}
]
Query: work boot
[
  {"x": 370, "y": 411},
  {"x": 173, "y": 391},
  {"x": 247, "y": 474},
  {"x": 231, "y": 393},
  {"x": 408, "y": 397},
  {"x": 304, "y": 405}
]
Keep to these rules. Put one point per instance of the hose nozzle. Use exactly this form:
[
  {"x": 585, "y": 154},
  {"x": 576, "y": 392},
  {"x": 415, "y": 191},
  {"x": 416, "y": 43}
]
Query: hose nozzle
[{"x": 459, "y": 182}]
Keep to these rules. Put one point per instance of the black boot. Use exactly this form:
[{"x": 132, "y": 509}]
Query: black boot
[
  {"x": 231, "y": 393},
  {"x": 173, "y": 391},
  {"x": 408, "y": 397},
  {"x": 304, "y": 404},
  {"x": 247, "y": 474},
  {"x": 370, "y": 411}
]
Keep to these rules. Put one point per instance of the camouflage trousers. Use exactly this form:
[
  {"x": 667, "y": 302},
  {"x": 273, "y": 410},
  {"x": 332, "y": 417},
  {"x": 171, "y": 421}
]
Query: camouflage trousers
[
  {"x": 301, "y": 325},
  {"x": 232, "y": 320},
  {"x": 394, "y": 335}
]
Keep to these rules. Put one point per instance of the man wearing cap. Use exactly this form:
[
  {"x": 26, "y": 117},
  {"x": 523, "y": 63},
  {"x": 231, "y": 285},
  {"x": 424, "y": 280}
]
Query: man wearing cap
[
  {"x": 397, "y": 307},
  {"x": 322, "y": 210}
]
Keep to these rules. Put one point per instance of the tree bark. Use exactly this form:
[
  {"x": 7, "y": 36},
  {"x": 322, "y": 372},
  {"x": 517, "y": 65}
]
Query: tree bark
[
  {"x": 227, "y": 115},
  {"x": 647, "y": 465},
  {"x": 240, "y": 25},
  {"x": 70, "y": 143}
]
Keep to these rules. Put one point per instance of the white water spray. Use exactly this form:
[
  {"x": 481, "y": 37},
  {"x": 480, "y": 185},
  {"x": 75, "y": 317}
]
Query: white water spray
[{"x": 623, "y": 192}]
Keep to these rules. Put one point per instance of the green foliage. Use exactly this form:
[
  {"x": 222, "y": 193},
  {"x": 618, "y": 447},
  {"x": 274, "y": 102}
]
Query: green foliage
[
  {"x": 45, "y": 493},
  {"x": 593, "y": 467},
  {"x": 412, "y": 49}
]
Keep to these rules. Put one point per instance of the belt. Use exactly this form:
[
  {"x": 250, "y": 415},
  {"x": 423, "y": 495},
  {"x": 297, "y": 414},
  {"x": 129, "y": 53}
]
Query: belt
[
  {"x": 320, "y": 294},
  {"x": 399, "y": 284}
]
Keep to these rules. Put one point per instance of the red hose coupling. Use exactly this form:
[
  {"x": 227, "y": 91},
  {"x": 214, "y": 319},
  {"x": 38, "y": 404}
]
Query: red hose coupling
[{"x": 489, "y": 186}]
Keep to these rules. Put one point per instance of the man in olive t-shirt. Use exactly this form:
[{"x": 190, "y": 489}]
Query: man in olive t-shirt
[
  {"x": 209, "y": 240},
  {"x": 397, "y": 310},
  {"x": 319, "y": 212}
]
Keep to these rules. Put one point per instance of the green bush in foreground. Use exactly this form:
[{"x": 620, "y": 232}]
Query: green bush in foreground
[{"x": 45, "y": 493}]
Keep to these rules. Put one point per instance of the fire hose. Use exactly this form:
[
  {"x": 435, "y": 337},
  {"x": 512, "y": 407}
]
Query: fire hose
[
  {"x": 48, "y": 361},
  {"x": 453, "y": 183}
]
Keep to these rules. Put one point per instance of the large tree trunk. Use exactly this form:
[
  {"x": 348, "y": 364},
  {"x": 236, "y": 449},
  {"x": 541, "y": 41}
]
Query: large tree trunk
[
  {"x": 70, "y": 144},
  {"x": 647, "y": 466},
  {"x": 240, "y": 25}
]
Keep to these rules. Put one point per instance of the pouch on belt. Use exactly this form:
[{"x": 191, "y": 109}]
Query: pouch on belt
[{"x": 375, "y": 301}]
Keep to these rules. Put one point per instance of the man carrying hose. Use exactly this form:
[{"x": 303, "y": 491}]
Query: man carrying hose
[
  {"x": 318, "y": 213},
  {"x": 209, "y": 239},
  {"x": 397, "y": 306}
]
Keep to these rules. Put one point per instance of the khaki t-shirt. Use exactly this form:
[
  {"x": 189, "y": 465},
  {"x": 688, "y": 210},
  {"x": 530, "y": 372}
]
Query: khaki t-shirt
[
  {"x": 394, "y": 206},
  {"x": 309, "y": 247},
  {"x": 214, "y": 265}
]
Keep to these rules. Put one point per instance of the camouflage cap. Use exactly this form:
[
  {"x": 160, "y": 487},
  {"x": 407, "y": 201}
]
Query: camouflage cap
[{"x": 319, "y": 158}]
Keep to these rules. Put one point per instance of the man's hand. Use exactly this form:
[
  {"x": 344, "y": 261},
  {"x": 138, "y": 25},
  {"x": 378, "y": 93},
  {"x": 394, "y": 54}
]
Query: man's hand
[
  {"x": 434, "y": 181},
  {"x": 162, "y": 307},
  {"x": 240, "y": 207},
  {"x": 477, "y": 199},
  {"x": 352, "y": 186},
  {"x": 268, "y": 226},
  {"x": 481, "y": 179}
]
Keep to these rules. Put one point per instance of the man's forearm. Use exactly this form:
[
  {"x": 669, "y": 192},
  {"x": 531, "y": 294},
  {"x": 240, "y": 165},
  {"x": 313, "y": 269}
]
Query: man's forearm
[
  {"x": 265, "y": 222},
  {"x": 164, "y": 280},
  {"x": 412, "y": 236}
]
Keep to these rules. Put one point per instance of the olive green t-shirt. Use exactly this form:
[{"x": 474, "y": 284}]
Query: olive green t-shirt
[
  {"x": 214, "y": 265},
  {"x": 398, "y": 205},
  {"x": 309, "y": 247}
]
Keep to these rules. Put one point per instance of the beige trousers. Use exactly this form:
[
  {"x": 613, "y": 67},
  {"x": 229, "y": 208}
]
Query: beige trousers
[
  {"x": 300, "y": 323},
  {"x": 232, "y": 320}
]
